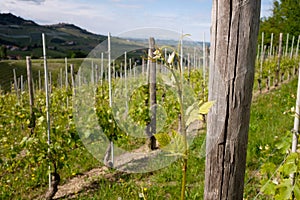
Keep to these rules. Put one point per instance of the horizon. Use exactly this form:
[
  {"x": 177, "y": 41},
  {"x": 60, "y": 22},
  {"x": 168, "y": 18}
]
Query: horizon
[{"x": 120, "y": 16}]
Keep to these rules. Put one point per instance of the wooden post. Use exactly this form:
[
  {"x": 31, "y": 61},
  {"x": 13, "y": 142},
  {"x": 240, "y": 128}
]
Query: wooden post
[
  {"x": 234, "y": 33},
  {"x": 262, "y": 60},
  {"x": 296, "y": 123},
  {"x": 22, "y": 85},
  {"x": 278, "y": 61},
  {"x": 258, "y": 52},
  {"x": 297, "y": 48},
  {"x": 47, "y": 99},
  {"x": 79, "y": 77},
  {"x": 96, "y": 74},
  {"x": 92, "y": 73},
  {"x": 114, "y": 70},
  {"x": 261, "y": 56},
  {"x": 134, "y": 70},
  {"x": 50, "y": 83},
  {"x": 195, "y": 59},
  {"x": 143, "y": 66},
  {"x": 148, "y": 69},
  {"x": 60, "y": 78},
  {"x": 204, "y": 59},
  {"x": 152, "y": 91},
  {"x": 286, "y": 45},
  {"x": 31, "y": 96},
  {"x": 72, "y": 78},
  {"x": 125, "y": 80},
  {"x": 101, "y": 69},
  {"x": 189, "y": 67},
  {"x": 181, "y": 54},
  {"x": 40, "y": 81},
  {"x": 292, "y": 48},
  {"x": 110, "y": 92},
  {"x": 66, "y": 69},
  {"x": 271, "y": 45},
  {"x": 130, "y": 68},
  {"x": 121, "y": 68},
  {"x": 16, "y": 83}
]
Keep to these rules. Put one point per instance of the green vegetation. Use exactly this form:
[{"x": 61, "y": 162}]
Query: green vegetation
[
  {"x": 54, "y": 66},
  {"x": 270, "y": 137},
  {"x": 24, "y": 161},
  {"x": 284, "y": 19}
]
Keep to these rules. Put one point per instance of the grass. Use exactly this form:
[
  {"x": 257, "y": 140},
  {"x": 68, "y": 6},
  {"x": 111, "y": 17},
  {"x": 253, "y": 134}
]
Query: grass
[
  {"x": 54, "y": 65},
  {"x": 270, "y": 117}
]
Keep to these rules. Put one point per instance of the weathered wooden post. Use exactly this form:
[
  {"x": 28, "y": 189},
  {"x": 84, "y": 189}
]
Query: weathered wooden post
[
  {"x": 296, "y": 124},
  {"x": 151, "y": 128},
  {"x": 60, "y": 78},
  {"x": 297, "y": 48},
  {"x": 22, "y": 85},
  {"x": 286, "y": 45},
  {"x": 16, "y": 83},
  {"x": 40, "y": 81},
  {"x": 73, "y": 78},
  {"x": 47, "y": 99},
  {"x": 271, "y": 45},
  {"x": 31, "y": 97},
  {"x": 262, "y": 55},
  {"x": 101, "y": 69},
  {"x": 292, "y": 48},
  {"x": 125, "y": 81},
  {"x": 234, "y": 33},
  {"x": 278, "y": 61},
  {"x": 189, "y": 67}
]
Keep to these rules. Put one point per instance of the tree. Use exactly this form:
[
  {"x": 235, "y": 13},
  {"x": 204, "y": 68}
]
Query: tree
[
  {"x": 234, "y": 33},
  {"x": 284, "y": 19}
]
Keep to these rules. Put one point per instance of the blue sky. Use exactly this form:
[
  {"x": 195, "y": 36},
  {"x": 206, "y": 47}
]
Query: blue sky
[{"x": 117, "y": 16}]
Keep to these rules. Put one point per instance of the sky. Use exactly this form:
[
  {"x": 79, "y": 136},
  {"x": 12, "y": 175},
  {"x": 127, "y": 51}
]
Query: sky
[{"x": 122, "y": 16}]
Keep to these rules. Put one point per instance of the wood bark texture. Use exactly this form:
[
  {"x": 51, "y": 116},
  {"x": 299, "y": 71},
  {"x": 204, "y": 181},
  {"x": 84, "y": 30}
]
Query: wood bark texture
[
  {"x": 152, "y": 92},
  {"x": 234, "y": 31}
]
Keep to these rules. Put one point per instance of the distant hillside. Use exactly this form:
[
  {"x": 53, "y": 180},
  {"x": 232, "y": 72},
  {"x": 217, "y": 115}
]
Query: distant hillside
[{"x": 23, "y": 37}]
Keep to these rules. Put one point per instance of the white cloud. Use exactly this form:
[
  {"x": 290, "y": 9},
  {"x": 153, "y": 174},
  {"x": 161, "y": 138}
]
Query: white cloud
[
  {"x": 113, "y": 16},
  {"x": 34, "y": 1}
]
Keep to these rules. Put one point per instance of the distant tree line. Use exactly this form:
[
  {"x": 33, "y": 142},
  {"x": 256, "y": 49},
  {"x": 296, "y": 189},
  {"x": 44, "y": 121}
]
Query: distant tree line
[{"x": 285, "y": 19}]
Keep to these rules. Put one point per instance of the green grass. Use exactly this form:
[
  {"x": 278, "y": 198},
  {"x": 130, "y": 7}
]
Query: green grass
[
  {"x": 54, "y": 65},
  {"x": 270, "y": 118}
]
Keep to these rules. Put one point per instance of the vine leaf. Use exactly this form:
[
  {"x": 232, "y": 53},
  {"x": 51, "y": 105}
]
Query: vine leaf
[
  {"x": 297, "y": 191},
  {"x": 285, "y": 190},
  {"x": 163, "y": 139},
  {"x": 204, "y": 108},
  {"x": 269, "y": 188},
  {"x": 174, "y": 144}
]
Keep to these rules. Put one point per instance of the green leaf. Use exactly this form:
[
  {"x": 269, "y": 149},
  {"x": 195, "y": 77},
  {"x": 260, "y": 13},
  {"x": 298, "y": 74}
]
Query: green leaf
[
  {"x": 204, "y": 108},
  {"x": 194, "y": 115},
  {"x": 23, "y": 142},
  {"x": 176, "y": 145},
  {"x": 283, "y": 146},
  {"x": 297, "y": 191},
  {"x": 268, "y": 168},
  {"x": 163, "y": 139},
  {"x": 290, "y": 165},
  {"x": 269, "y": 188},
  {"x": 285, "y": 190}
]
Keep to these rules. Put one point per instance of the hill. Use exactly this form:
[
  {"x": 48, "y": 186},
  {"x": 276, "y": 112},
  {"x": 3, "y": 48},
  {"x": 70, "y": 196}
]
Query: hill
[{"x": 22, "y": 37}]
